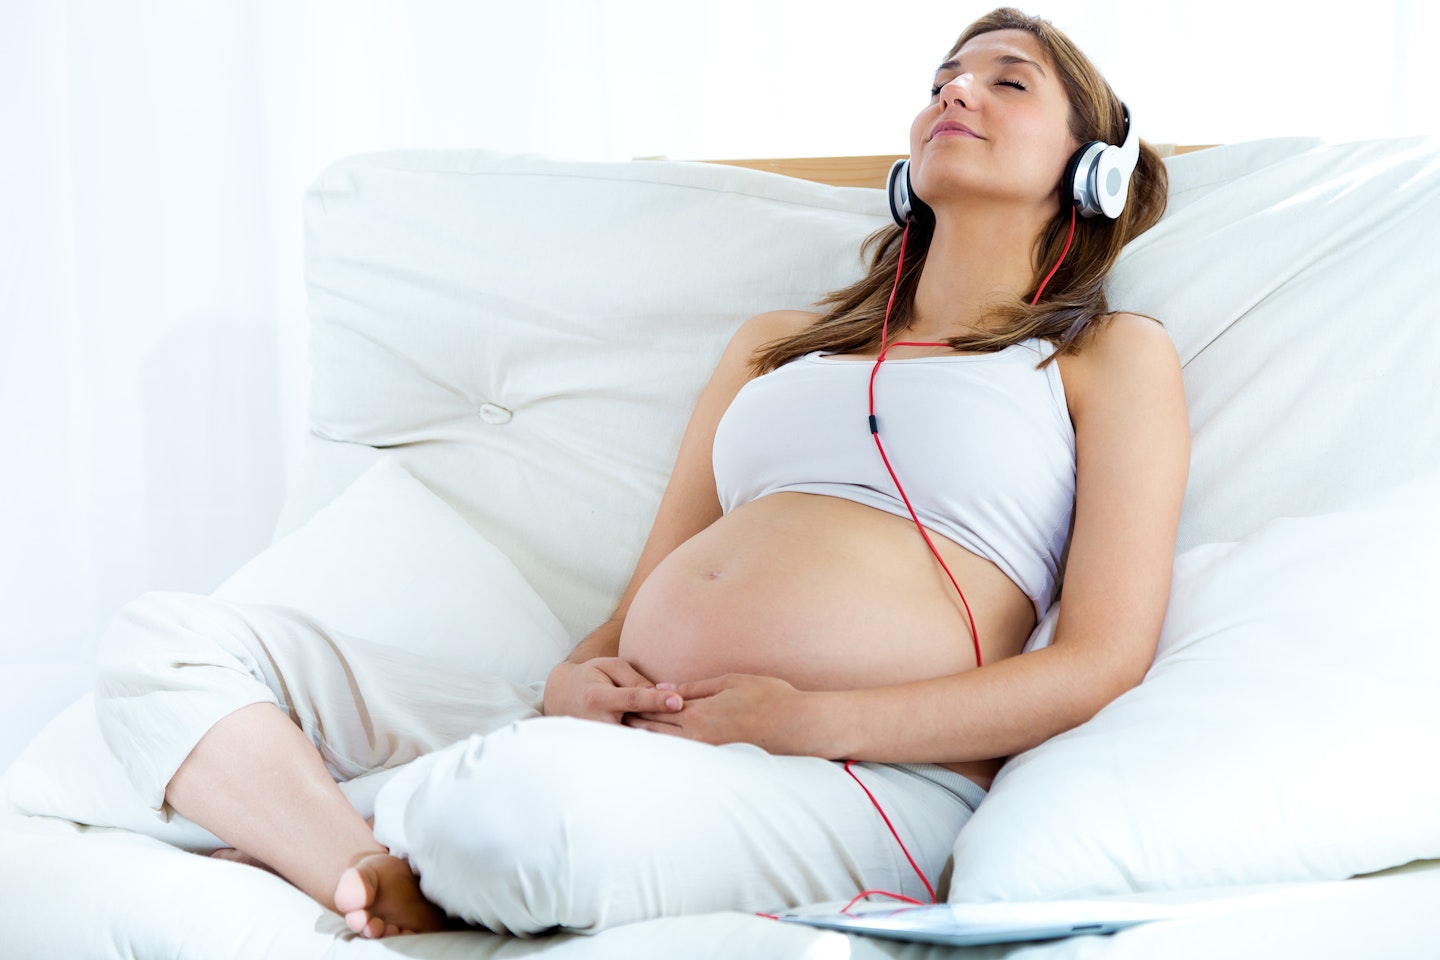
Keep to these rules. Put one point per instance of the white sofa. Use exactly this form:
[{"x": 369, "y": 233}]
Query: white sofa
[{"x": 505, "y": 352}]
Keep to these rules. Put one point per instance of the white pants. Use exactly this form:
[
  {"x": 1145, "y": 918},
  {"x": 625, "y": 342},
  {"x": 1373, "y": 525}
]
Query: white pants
[
  {"x": 171, "y": 665},
  {"x": 518, "y": 822},
  {"x": 558, "y": 822}
]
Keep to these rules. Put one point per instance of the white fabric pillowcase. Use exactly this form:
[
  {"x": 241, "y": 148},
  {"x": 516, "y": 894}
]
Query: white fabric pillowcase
[
  {"x": 1286, "y": 732},
  {"x": 391, "y": 562},
  {"x": 529, "y": 335},
  {"x": 387, "y": 561}
]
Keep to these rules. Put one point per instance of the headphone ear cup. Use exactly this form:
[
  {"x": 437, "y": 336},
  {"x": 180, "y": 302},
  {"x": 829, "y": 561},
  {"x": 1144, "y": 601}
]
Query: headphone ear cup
[
  {"x": 1111, "y": 181},
  {"x": 904, "y": 205},
  {"x": 919, "y": 209},
  {"x": 1098, "y": 175},
  {"x": 897, "y": 187},
  {"x": 1079, "y": 180}
]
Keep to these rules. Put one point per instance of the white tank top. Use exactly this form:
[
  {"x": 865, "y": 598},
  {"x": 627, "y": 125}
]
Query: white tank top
[{"x": 983, "y": 445}]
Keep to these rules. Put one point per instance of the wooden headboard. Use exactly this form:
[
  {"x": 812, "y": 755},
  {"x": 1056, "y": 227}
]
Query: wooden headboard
[{"x": 866, "y": 171}]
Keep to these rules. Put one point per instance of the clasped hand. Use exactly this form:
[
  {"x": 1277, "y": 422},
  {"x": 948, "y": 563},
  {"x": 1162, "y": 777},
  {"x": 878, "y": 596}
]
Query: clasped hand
[
  {"x": 604, "y": 689},
  {"x": 732, "y": 708}
]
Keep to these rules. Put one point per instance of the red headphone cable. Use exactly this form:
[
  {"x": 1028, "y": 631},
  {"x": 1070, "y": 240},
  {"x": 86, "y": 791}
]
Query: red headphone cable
[
  {"x": 875, "y": 423},
  {"x": 875, "y": 432}
]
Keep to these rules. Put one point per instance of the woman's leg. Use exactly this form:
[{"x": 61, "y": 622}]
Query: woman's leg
[
  {"x": 242, "y": 717},
  {"x": 558, "y": 822},
  {"x": 257, "y": 783}
]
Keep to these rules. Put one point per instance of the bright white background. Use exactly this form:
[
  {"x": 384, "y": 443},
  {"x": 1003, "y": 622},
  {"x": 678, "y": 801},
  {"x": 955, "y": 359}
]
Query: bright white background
[{"x": 152, "y": 337}]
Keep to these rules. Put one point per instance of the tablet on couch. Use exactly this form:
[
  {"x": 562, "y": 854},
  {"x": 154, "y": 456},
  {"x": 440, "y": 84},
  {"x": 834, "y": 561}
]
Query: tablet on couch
[{"x": 967, "y": 924}]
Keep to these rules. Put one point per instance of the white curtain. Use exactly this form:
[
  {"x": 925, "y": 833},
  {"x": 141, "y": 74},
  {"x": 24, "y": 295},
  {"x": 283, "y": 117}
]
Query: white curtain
[{"x": 152, "y": 332}]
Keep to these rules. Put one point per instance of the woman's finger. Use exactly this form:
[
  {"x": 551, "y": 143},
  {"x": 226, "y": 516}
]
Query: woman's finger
[
  {"x": 696, "y": 689},
  {"x": 666, "y": 718},
  {"x": 621, "y": 673},
  {"x": 617, "y": 700},
  {"x": 647, "y": 722}
]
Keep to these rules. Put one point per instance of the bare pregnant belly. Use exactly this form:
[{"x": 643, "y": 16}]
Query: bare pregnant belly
[{"x": 824, "y": 593}]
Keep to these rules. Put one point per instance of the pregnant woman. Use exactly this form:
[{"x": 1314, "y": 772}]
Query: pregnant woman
[{"x": 869, "y": 513}]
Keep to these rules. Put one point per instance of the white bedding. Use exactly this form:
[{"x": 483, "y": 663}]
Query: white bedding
[
  {"x": 524, "y": 338},
  {"x": 71, "y": 893}
]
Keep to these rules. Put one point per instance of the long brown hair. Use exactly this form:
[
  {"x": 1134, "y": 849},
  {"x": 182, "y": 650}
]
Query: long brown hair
[{"x": 1074, "y": 299}]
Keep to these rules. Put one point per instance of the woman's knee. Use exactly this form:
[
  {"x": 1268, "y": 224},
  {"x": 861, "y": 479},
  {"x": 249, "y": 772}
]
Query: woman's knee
[
  {"x": 130, "y": 638},
  {"x": 157, "y": 637},
  {"x": 511, "y": 796},
  {"x": 514, "y": 830},
  {"x": 168, "y": 666}
]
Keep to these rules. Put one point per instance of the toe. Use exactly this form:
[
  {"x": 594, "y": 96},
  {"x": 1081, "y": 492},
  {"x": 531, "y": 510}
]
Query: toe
[{"x": 355, "y": 891}]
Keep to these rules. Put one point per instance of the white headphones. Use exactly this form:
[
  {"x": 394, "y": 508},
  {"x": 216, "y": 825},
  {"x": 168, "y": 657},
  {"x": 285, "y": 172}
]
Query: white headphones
[
  {"x": 903, "y": 203},
  {"x": 1098, "y": 175}
]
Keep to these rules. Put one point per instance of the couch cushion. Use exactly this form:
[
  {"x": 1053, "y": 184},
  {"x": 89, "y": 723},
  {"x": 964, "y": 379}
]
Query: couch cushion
[
  {"x": 527, "y": 336},
  {"x": 1287, "y": 731},
  {"x": 1295, "y": 279},
  {"x": 390, "y": 562}
]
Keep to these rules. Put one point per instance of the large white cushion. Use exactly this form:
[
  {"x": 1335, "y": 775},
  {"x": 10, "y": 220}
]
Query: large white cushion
[
  {"x": 1287, "y": 731},
  {"x": 391, "y": 562},
  {"x": 527, "y": 336},
  {"x": 1294, "y": 279}
]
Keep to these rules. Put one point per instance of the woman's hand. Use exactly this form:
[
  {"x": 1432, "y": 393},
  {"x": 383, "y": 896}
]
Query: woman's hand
[
  {"x": 739, "y": 708},
  {"x": 605, "y": 689}
]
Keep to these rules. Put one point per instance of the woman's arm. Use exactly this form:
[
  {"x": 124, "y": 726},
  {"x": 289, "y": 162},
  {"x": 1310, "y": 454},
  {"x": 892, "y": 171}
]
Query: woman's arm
[
  {"x": 593, "y": 682},
  {"x": 1132, "y": 460}
]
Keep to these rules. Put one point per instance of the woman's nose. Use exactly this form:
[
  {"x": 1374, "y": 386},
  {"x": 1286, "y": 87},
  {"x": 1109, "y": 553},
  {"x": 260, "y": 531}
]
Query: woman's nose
[{"x": 957, "y": 89}]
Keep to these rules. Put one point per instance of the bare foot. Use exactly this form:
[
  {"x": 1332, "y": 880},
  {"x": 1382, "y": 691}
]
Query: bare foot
[
  {"x": 380, "y": 897},
  {"x": 235, "y": 856}
]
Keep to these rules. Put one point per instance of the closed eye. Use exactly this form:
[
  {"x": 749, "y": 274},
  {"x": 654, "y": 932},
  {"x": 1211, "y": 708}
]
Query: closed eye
[{"x": 935, "y": 90}]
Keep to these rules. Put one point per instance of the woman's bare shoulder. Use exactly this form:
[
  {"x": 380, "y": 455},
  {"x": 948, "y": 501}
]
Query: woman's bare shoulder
[
  {"x": 1118, "y": 335},
  {"x": 735, "y": 367},
  {"x": 1124, "y": 348},
  {"x": 758, "y": 332},
  {"x": 775, "y": 324}
]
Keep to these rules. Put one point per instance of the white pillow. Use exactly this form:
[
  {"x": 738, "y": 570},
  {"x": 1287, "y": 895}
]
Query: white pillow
[
  {"x": 529, "y": 335},
  {"x": 391, "y": 562},
  {"x": 388, "y": 561},
  {"x": 1287, "y": 730},
  {"x": 1291, "y": 277}
]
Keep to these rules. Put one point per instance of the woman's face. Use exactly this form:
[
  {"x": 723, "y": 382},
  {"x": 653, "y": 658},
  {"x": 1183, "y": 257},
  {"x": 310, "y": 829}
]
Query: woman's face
[{"x": 996, "y": 127}]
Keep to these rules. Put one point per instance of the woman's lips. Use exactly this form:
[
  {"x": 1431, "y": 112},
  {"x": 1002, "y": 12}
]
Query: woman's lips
[{"x": 953, "y": 128}]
